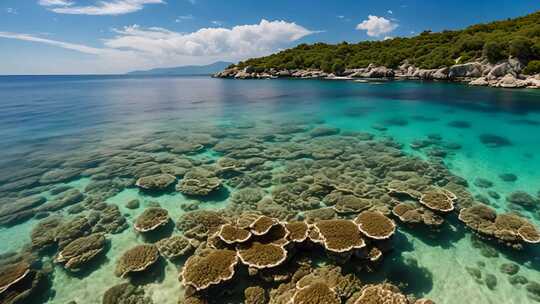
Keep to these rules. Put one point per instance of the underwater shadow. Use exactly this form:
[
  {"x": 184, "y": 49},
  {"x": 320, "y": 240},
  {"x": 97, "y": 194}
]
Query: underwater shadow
[
  {"x": 154, "y": 274},
  {"x": 218, "y": 195},
  {"x": 404, "y": 272},
  {"x": 448, "y": 234},
  {"x": 528, "y": 257},
  {"x": 157, "y": 193},
  {"x": 159, "y": 234},
  {"x": 40, "y": 293}
]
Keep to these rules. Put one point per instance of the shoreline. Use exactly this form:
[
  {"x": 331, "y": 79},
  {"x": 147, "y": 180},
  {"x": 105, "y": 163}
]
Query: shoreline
[{"x": 504, "y": 74}]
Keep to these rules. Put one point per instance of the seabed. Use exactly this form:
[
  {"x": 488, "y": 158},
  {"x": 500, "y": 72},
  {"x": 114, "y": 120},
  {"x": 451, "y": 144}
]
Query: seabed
[{"x": 211, "y": 152}]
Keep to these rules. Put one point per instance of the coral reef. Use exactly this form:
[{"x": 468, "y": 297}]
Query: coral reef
[
  {"x": 151, "y": 219},
  {"x": 209, "y": 268},
  {"x": 156, "y": 182},
  {"x": 136, "y": 259},
  {"x": 82, "y": 250}
]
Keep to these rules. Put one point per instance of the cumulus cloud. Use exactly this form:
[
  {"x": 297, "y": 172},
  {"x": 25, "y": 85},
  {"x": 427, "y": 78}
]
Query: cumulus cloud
[
  {"x": 238, "y": 41},
  {"x": 113, "y": 7},
  {"x": 135, "y": 47},
  {"x": 377, "y": 26}
]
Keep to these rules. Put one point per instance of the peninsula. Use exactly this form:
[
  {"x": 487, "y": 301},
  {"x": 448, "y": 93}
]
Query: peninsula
[{"x": 497, "y": 54}]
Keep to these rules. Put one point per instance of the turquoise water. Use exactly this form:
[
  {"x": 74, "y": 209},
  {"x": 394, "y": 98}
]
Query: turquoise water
[{"x": 83, "y": 123}]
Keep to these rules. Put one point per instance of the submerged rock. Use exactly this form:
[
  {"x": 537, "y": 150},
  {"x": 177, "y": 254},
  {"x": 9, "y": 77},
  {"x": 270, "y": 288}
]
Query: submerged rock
[
  {"x": 199, "y": 182},
  {"x": 133, "y": 204},
  {"x": 509, "y": 268},
  {"x": 508, "y": 177},
  {"x": 494, "y": 141},
  {"x": 156, "y": 182},
  {"x": 483, "y": 183},
  {"x": 126, "y": 293},
  {"x": 533, "y": 289},
  {"x": 523, "y": 199},
  {"x": 491, "y": 281},
  {"x": 255, "y": 295},
  {"x": 518, "y": 280},
  {"x": 324, "y": 131},
  {"x": 59, "y": 175},
  {"x": 63, "y": 200}
]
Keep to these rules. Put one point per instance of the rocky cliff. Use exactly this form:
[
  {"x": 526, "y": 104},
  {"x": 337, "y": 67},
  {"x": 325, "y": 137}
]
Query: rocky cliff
[{"x": 504, "y": 74}]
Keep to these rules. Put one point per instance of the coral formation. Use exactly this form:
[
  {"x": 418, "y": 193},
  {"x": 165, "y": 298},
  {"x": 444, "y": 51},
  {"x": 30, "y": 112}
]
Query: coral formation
[
  {"x": 231, "y": 234},
  {"x": 298, "y": 231},
  {"x": 136, "y": 259},
  {"x": 438, "y": 201},
  {"x": 209, "y": 268},
  {"x": 316, "y": 293},
  {"x": 11, "y": 274},
  {"x": 175, "y": 246},
  {"x": 81, "y": 251},
  {"x": 156, "y": 182},
  {"x": 258, "y": 255},
  {"x": 339, "y": 235},
  {"x": 151, "y": 219},
  {"x": 380, "y": 294},
  {"x": 375, "y": 225},
  {"x": 199, "y": 182},
  {"x": 507, "y": 228}
]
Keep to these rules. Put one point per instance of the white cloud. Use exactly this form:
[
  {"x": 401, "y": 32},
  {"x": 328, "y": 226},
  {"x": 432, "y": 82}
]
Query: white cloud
[
  {"x": 239, "y": 41},
  {"x": 11, "y": 10},
  {"x": 216, "y": 22},
  {"x": 66, "y": 45},
  {"x": 110, "y": 7},
  {"x": 390, "y": 12},
  {"x": 135, "y": 47},
  {"x": 55, "y": 2},
  {"x": 377, "y": 26},
  {"x": 183, "y": 18}
]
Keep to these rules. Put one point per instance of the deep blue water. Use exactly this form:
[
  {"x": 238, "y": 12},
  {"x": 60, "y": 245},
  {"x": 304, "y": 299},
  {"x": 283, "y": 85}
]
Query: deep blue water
[{"x": 51, "y": 117}]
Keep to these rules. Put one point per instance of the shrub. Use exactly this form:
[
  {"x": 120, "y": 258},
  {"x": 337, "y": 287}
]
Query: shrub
[
  {"x": 493, "y": 51},
  {"x": 338, "y": 67},
  {"x": 521, "y": 48},
  {"x": 533, "y": 67}
]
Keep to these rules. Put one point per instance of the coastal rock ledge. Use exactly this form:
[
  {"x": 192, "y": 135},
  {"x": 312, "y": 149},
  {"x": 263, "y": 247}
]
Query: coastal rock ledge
[{"x": 504, "y": 74}]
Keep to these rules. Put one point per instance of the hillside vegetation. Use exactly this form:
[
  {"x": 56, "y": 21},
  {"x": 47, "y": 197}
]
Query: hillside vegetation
[{"x": 493, "y": 41}]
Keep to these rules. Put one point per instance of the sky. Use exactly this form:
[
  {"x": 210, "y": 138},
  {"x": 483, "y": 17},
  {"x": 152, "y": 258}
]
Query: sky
[{"x": 117, "y": 36}]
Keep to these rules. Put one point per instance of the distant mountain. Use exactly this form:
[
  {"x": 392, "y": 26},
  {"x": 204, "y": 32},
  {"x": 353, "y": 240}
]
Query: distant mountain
[{"x": 186, "y": 70}]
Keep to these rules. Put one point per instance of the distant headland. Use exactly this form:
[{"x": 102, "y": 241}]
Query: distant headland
[
  {"x": 497, "y": 54},
  {"x": 186, "y": 70}
]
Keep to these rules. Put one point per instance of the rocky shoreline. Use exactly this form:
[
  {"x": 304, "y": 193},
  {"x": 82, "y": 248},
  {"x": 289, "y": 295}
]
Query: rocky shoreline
[{"x": 504, "y": 74}]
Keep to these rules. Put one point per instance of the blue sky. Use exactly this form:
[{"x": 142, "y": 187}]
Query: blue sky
[{"x": 115, "y": 36}]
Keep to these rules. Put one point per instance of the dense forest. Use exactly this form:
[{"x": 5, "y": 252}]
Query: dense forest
[{"x": 493, "y": 41}]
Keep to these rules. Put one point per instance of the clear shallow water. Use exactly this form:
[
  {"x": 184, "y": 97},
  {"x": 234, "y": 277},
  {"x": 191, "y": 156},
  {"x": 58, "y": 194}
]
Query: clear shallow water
[{"x": 57, "y": 118}]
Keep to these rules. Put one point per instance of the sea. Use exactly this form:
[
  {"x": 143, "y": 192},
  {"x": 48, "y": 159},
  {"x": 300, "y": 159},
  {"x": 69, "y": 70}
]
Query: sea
[{"x": 58, "y": 132}]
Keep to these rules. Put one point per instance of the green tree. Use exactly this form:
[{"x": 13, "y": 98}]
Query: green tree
[
  {"x": 493, "y": 51},
  {"x": 338, "y": 67},
  {"x": 326, "y": 67},
  {"x": 533, "y": 67},
  {"x": 521, "y": 48}
]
